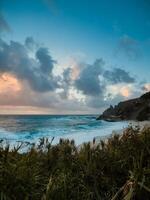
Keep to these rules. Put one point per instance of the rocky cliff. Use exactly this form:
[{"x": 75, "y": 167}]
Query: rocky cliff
[{"x": 134, "y": 109}]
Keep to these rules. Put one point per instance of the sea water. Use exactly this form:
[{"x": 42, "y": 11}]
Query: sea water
[{"x": 30, "y": 128}]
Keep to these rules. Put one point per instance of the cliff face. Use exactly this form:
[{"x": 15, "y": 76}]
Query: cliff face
[{"x": 134, "y": 109}]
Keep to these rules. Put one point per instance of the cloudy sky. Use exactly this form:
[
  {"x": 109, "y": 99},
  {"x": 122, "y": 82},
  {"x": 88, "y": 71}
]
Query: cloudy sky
[{"x": 69, "y": 57}]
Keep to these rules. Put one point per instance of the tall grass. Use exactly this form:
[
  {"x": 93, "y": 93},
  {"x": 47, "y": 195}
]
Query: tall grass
[{"x": 114, "y": 170}]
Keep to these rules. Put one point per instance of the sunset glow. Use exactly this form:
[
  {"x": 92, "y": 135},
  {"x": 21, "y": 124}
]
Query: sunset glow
[
  {"x": 59, "y": 58},
  {"x": 8, "y": 83},
  {"x": 125, "y": 91}
]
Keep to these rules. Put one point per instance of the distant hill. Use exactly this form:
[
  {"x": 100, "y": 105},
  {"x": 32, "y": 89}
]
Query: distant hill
[{"x": 134, "y": 109}]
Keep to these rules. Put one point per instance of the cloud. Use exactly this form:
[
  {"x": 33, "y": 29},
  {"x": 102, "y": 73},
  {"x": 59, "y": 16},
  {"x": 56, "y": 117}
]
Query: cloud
[
  {"x": 46, "y": 61},
  {"x": 112, "y": 94},
  {"x": 4, "y": 27},
  {"x": 118, "y": 75},
  {"x": 69, "y": 76},
  {"x": 146, "y": 87},
  {"x": 96, "y": 101},
  {"x": 88, "y": 81},
  {"x": 30, "y": 43},
  {"x": 129, "y": 47},
  {"x": 29, "y": 79},
  {"x": 124, "y": 90},
  {"x": 23, "y": 95},
  {"x": 93, "y": 79},
  {"x": 101, "y": 85},
  {"x": 66, "y": 83},
  {"x": 14, "y": 58}
]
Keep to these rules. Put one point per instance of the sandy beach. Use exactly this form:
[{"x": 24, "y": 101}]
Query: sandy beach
[{"x": 140, "y": 124}]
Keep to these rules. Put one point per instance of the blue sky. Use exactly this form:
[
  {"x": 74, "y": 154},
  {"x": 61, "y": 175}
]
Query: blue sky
[{"x": 85, "y": 30}]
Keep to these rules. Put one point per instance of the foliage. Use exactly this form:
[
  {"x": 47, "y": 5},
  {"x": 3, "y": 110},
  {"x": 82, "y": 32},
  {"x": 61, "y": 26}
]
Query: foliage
[{"x": 116, "y": 169}]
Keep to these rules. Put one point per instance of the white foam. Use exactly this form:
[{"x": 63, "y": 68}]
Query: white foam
[{"x": 80, "y": 131}]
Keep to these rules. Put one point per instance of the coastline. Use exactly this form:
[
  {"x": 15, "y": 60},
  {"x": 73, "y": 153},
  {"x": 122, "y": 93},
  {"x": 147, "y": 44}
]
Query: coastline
[
  {"x": 83, "y": 130},
  {"x": 46, "y": 171},
  {"x": 134, "y": 124}
]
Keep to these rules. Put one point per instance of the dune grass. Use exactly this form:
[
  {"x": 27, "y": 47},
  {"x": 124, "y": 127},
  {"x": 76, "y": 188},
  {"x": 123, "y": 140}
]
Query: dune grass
[{"x": 114, "y": 170}]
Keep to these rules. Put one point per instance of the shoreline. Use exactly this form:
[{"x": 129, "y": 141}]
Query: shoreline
[
  {"x": 140, "y": 124},
  {"x": 96, "y": 138}
]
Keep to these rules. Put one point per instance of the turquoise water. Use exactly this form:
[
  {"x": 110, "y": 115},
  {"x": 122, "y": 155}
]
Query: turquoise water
[{"x": 29, "y": 128}]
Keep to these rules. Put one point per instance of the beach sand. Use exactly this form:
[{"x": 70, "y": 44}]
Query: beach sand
[{"x": 134, "y": 124}]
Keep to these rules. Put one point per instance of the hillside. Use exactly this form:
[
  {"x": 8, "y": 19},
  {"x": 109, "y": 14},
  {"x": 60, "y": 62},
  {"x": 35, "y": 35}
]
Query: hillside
[{"x": 134, "y": 109}]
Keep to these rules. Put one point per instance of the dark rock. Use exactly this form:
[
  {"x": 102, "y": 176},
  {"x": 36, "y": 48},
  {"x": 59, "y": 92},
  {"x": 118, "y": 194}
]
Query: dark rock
[{"x": 134, "y": 109}]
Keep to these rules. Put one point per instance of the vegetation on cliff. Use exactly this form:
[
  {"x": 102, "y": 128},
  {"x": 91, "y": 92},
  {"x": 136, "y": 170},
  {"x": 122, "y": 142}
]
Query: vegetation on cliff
[{"x": 114, "y": 170}]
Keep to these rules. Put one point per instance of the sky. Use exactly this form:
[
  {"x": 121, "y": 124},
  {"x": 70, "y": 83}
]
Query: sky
[{"x": 72, "y": 57}]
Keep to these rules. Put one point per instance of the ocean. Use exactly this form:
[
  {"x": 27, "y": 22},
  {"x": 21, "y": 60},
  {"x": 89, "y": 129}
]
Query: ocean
[{"x": 30, "y": 128}]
